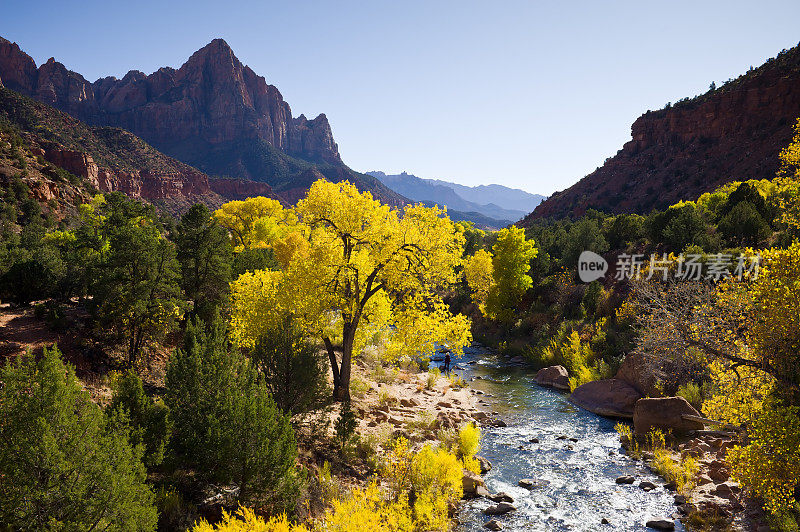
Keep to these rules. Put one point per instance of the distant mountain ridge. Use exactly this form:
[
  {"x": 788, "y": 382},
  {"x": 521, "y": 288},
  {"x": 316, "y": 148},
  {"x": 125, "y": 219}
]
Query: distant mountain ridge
[
  {"x": 733, "y": 132},
  {"x": 486, "y": 205},
  {"x": 212, "y": 113}
]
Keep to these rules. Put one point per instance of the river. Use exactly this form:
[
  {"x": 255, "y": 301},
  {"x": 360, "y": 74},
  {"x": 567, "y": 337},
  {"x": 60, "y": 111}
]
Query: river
[{"x": 580, "y": 475}]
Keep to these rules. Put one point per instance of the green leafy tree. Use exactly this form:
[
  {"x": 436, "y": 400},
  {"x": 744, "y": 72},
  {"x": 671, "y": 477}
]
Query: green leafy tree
[
  {"x": 136, "y": 288},
  {"x": 205, "y": 256},
  {"x": 584, "y": 235},
  {"x": 680, "y": 226},
  {"x": 292, "y": 369},
  {"x": 744, "y": 225},
  {"x": 473, "y": 238},
  {"x": 747, "y": 192},
  {"x": 148, "y": 420},
  {"x": 252, "y": 259},
  {"x": 625, "y": 229},
  {"x": 33, "y": 274},
  {"x": 63, "y": 464},
  {"x": 511, "y": 262},
  {"x": 227, "y": 427}
]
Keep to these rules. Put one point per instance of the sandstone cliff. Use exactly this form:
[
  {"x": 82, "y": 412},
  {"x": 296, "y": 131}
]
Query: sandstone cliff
[
  {"x": 213, "y": 113},
  {"x": 732, "y": 133},
  {"x": 106, "y": 159}
]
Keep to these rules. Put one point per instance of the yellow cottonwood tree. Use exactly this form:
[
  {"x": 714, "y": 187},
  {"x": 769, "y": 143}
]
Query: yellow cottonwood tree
[
  {"x": 479, "y": 273},
  {"x": 253, "y": 222},
  {"x": 349, "y": 267},
  {"x": 511, "y": 258}
]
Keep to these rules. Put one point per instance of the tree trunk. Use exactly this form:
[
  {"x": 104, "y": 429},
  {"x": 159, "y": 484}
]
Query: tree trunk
[
  {"x": 341, "y": 390},
  {"x": 334, "y": 364}
]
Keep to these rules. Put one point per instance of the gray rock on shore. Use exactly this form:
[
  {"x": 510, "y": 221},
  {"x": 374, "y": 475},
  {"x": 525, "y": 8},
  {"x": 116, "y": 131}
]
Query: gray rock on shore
[
  {"x": 499, "y": 509},
  {"x": 471, "y": 482},
  {"x": 608, "y": 397},
  {"x": 554, "y": 377},
  {"x": 664, "y": 413},
  {"x": 501, "y": 496},
  {"x": 661, "y": 524}
]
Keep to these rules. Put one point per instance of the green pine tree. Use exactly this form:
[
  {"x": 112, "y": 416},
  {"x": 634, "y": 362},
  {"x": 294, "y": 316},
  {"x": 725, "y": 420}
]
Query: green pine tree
[
  {"x": 63, "y": 464},
  {"x": 227, "y": 427}
]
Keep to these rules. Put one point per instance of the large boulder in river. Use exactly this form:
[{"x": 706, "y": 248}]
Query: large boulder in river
[
  {"x": 635, "y": 371},
  {"x": 553, "y": 376},
  {"x": 608, "y": 397},
  {"x": 664, "y": 413}
]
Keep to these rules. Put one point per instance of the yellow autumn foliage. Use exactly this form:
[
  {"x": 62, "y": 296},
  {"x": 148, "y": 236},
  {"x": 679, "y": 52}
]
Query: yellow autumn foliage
[
  {"x": 245, "y": 520},
  {"x": 769, "y": 465},
  {"x": 432, "y": 474},
  {"x": 254, "y": 222},
  {"x": 479, "y": 274},
  {"x": 511, "y": 257},
  {"x": 740, "y": 393},
  {"x": 351, "y": 268}
]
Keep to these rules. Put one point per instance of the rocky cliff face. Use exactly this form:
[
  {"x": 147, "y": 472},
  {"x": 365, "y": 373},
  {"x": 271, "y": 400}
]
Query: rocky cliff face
[
  {"x": 145, "y": 184},
  {"x": 732, "y": 133},
  {"x": 213, "y": 113},
  {"x": 107, "y": 159},
  {"x": 241, "y": 189},
  {"x": 212, "y": 101}
]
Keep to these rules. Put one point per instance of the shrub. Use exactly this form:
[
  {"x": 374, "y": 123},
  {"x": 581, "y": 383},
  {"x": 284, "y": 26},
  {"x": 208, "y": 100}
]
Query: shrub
[
  {"x": 436, "y": 483},
  {"x": 682, "y": 473},
  {"x": 769, "y": 465},
  {"x": 625, "y": 432},
  {"x": 429, "y": 480},
  {"x": 64, "y": 465},
  {"x": 365, "y": 510},
  {"x": 328, "y": 485},
  {"x": 226, "y": 425},
  {"x": 457, "y": 382},
  {"x": 359, "y": 387},
  {"x": 345, "y": 425},
  {"x": 33, "y": 275},
  {"x": 575, "y": 354},
  {"x": 382, "y": 375},
  {"x": 627, "y": 440},
  {"x": 385, "y": 398},
  {"x": 692, "y": 393},
  {"x": 583, "y": 375},
  {"x": 245, "y": 520},
  {"x": 53, "y": 314},
  {"x": 174, "y": 513},
  {"x": 147, "y": 419},
  {"x": 426, "y": 421},
  {"x": 292, "y": 369},
  {"x": 469, "y": 442},
  {"x": 433, "y": 376}
]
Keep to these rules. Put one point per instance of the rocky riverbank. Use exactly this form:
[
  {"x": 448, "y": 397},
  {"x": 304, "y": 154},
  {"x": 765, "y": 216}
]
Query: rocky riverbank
[
  {"x": 713, "y": 499},
  {"x": 420, "y": 406}
]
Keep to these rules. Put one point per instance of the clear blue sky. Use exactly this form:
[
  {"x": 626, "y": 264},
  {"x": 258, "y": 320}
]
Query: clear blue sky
[{"x": 528, "y": 94}]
